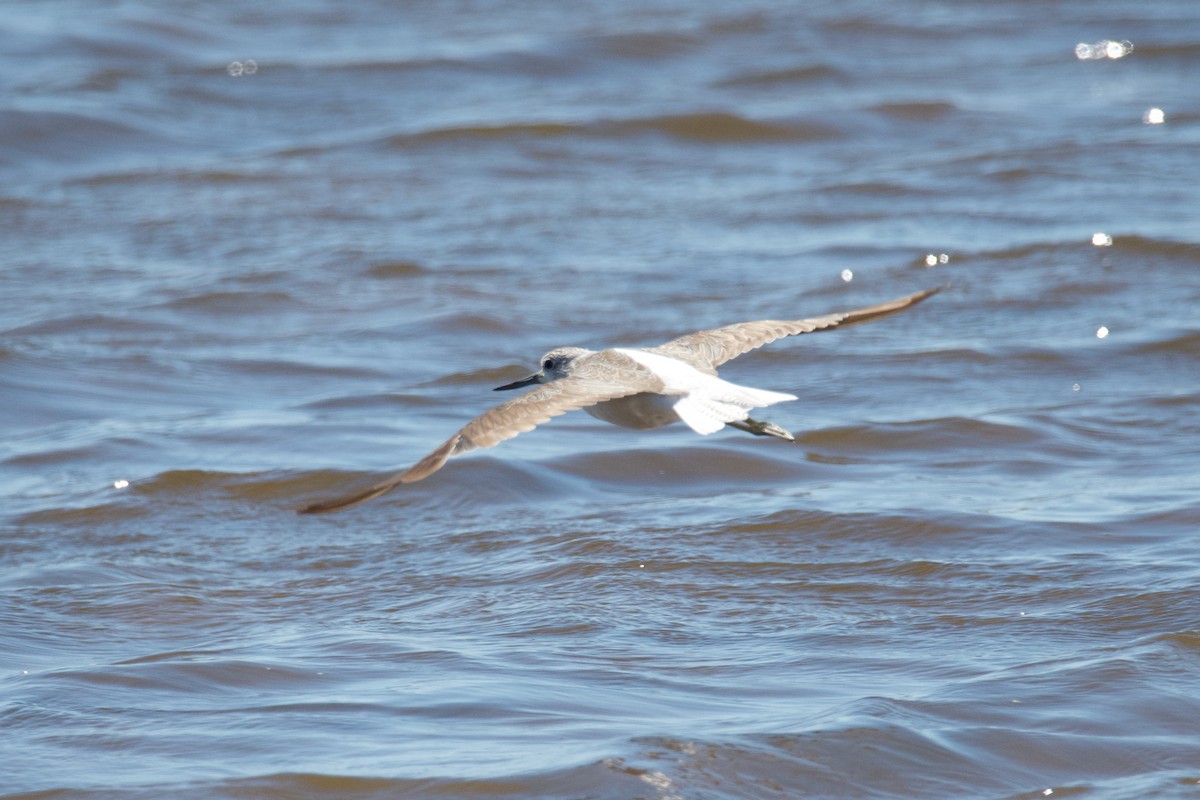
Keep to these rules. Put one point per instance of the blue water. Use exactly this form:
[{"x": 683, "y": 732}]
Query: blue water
[{"x": 256, "y": 256}]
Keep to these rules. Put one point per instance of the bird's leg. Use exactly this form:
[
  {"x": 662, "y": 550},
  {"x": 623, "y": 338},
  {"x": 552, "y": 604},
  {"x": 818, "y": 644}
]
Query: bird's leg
[{"x": 763, "y": 429}]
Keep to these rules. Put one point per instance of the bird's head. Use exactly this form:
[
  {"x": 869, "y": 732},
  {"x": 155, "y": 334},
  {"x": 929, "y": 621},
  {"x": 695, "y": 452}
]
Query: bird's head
[{"x": 555, "y": 365}]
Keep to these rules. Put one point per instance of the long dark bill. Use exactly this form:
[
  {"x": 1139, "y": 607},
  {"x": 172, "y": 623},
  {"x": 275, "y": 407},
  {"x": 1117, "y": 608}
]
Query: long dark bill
[{"x": 532, "y": 379}]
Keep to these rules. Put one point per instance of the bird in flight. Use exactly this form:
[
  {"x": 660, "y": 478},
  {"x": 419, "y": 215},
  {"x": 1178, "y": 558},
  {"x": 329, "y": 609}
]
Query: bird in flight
[{"x": 634, "y": 388}]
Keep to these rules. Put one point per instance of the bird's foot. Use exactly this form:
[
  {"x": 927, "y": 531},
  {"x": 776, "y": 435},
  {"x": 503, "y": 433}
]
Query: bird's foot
[{"x": 763, "y": 429}]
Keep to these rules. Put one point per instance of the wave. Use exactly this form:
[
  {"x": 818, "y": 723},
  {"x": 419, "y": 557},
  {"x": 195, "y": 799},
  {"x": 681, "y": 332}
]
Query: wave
[
  {"x": 185, "y": 176},
  {"x": 478, "y": 482},
  {"x": 131, "y": 327},
  {"x": 485, "y": 480},
  {"x": 69, "y": 137},
  {"x": 690, "y": 466},
  {"x": 947, "y": 435},
  {"x": 807, "y": 74},
  {"x": 369, "y": 402},
  {"x": 541, "y": 58},
  {"x": 487, "y": 376},
  {"x": 1177, "y": 250},
  {"x": 233, "y": 302},
  {"x": 1182, "y": 342},
  {"x": 638, "y": 45},
  {"x": 1185, "y": 51},
  {"x": 725, "y": 127},
  {"x": 601, "y": 779},
  {"x": 206, "y": 672},
  {"x": 1174, "y": 249},
  {"x": 915, "y": 111},
  {"x": 885, "y": 189},
  {"x": 136, "y": 497},
  {"x": 887, "y": 26},
  {"x": 701, "y": 127},
  {"x": 911, "y": 760},
  {"x": 396, "y": 269}
]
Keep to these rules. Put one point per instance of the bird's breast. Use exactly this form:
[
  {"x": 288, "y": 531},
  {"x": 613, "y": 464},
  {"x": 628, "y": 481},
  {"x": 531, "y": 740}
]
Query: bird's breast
[{"x": 641, "y": 411}]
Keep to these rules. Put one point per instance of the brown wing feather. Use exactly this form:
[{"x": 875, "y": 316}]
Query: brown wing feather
[
  {"x": 707, "y": 350},
  {"x": 594, "y": 381}
]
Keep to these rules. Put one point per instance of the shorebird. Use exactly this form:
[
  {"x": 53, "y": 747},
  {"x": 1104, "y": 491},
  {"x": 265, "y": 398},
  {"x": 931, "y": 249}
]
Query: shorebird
[{"x": 634, "y": 388}]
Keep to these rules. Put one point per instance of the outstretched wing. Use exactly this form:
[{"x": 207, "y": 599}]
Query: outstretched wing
[
  {"x": 592, "y": 381},
  {"x": 706, "y": 350}
]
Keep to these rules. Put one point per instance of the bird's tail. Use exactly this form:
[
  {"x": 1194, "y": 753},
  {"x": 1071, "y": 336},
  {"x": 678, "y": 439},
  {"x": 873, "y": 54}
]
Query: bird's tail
[{"x": 707, "y": 412}]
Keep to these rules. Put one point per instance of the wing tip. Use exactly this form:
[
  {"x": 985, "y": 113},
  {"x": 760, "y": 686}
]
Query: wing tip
[
  {"x": 419, "y": 471},
  {"x": 887, "y": 308},
  {"x": 917, "y": 297},
  {"x": 339, "y": 503}
]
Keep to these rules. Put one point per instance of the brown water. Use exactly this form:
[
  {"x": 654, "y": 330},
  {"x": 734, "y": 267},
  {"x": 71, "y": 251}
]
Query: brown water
[{"x": 241, "y": 287}]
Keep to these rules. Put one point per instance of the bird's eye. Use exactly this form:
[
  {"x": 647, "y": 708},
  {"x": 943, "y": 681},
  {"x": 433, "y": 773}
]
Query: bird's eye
[{"x": 548, "y": 364}]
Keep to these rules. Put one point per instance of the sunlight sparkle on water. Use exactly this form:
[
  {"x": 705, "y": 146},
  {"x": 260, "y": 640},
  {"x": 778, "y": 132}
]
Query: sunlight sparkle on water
[
  {"x": 847, "y": 275},
  {"x": 1101, "y": 332},
  {"x": 239, "y": 68},
  {"x": 121, "y": 484},
  {"x": 933, "y": 259},
  {"x": 1105, "y": 48},
  {"x": 1154, "y": 116},
  {"x": 1102, "y": 240}
]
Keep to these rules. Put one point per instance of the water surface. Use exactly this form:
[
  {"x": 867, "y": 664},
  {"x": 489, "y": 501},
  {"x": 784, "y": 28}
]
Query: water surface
[{"x": 256, "y": 256}]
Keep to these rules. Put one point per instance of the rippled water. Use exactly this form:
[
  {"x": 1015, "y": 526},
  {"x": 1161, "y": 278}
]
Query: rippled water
[{"x": 255, "y": 255}]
